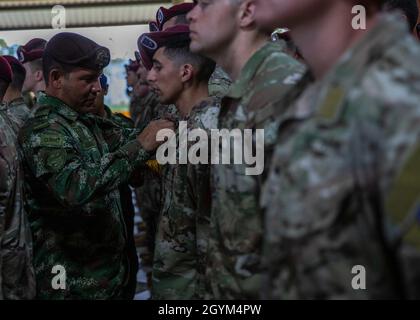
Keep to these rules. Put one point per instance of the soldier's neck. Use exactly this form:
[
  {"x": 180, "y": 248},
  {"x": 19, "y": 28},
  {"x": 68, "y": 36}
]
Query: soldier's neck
[
  {"x": 11, "y": 94},
  {"x": 324, "y": 40},
  {"x": 39, "y": 86},
  {"x": 234, "y": 56},
  {"x": 190, "y": 97}
]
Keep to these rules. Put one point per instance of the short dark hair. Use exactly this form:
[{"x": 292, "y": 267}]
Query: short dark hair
[
  {"x": 19, "y": 74},
  {"x": 49, "y": 63},
  {"x": 36, "y": 64},
  {"x": 179, "y": 51},
  {"x": 408, "y": 7}
]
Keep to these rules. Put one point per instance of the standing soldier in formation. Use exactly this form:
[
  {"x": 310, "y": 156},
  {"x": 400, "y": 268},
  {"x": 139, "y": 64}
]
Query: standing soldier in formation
[
  {"x": 343, "y": 190},
  {"x": 74, "y": 164},
  {"x": 181, "y": 78},
  {"x": 262, "y": 74},
  {"x": 17, "y": 278},
  {"x": 30, "y": 55},
  {"x": 13, "y": 98}
]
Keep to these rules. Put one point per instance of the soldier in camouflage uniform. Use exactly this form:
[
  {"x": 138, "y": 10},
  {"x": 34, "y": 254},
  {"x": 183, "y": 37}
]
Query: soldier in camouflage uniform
[
  {"x": 74, "y": 164},
  {"x": 17, "y": 277},
  {"x": 13, "y": 98},
  {"x": 181, "y": 240},
  {"x": 342, "y": 196},
  {"x": 127, "y": 207},
  {"x": 260, "y": 83},
  {"x": 30, "y": 56}
]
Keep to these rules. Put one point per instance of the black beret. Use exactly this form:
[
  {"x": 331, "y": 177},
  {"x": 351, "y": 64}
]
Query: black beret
[{"x": 75, "y": 50}]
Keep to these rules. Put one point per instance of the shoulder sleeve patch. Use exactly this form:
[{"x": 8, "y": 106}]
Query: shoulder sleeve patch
[{"x": 49, "y": 140}]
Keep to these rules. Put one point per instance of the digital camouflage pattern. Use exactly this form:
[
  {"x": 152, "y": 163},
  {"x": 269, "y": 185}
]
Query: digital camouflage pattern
[
  {"x": 233, "y": 270},
  {"x": 74, "y": 164},
  {"x": 344, "y": 185},
  {"x": 128, "y": 212},
  {"x": 17, "y": 277},
  {"x": 149, "y": 193},
  {"x": 19, "y": 110},
  {"x": 219, "y": 83},
  {"x": 182, "y": 234}
]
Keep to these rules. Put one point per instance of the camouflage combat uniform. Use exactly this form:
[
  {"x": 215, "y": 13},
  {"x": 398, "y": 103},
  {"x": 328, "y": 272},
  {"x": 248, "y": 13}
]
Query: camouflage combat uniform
[
  {"x": 345, "y": 173},
  {"x": 74, "y": 166},
  {"x": 128, "y": 212},
  {"x": 233, "y": 270},
  {"x": 19, "y": 110},
  {"x": 181, "y": 240},
  {"x": 219, "y": 83},
  {"x": 17, "y": 277}
]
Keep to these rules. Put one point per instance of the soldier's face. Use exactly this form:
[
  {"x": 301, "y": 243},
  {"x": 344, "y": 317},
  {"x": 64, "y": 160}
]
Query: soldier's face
[
  {"x": 80, "y": 88},
  {"x": 142, "y": 73},
  {"x": 131, "y": 78},
  {"x": 165, "y": 78},
  {"x": 212, "y": 25},
  {"x": 272, "y": 14}
]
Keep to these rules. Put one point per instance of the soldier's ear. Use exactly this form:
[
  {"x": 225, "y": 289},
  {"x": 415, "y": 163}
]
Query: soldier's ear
[
  {"x": 56, "y": 76},
  {"x": 246, "y": 13},
  {"x": 187, "y": 72},
  {"x": 39, "y": 75}
]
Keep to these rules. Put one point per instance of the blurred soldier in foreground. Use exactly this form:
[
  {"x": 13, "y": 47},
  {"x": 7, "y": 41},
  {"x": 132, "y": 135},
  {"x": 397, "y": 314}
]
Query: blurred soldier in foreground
[
  {"x": 17, "y": 278},
  {"x": 262, "y": 75},
  {"x": 74, "y": 165},
  {"x": 342, "y": 197},
  {"x": 181, "y": 78}
]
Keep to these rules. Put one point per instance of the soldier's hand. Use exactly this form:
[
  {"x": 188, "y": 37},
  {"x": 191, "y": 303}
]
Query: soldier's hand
[{"x": 147, "y": 137}]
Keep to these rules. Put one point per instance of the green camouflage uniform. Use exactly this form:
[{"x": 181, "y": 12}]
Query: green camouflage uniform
[
  {"x": 345, "y": 173},
  {"x": 19, "y": 110},
  {"x": 219, "y": 83},
  {"x": 181, "y": 240},
  {"x": 233, "y": 269},
  {"x": 74, "y": 165},
  {"x": 128, "y": 211},
  {"x": 17, "y": 277}
]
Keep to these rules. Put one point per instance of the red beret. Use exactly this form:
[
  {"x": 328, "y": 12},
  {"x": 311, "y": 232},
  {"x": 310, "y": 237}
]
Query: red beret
[
  {"x": 149, "y": 43},
  {"x": 5, "y": 70},
  {"x": 31, "y": 51},
  {"x": 13, "y": 62},
  {"x": 163, "y": 14}
]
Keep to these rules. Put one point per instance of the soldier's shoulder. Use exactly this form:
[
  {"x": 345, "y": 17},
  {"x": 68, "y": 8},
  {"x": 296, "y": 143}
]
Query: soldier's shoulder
[
  {"x": 42, "y": 119},
  {"x": 122, "y": 120},
  {"x": 207, "y": 114}
]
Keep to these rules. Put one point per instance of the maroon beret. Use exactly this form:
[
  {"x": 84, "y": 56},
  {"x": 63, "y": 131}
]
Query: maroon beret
[
  {"x": 163, "y": 14},
  {"x": 5, "y": 70},
  {"x": 31, "y": 51},
  {"x": 75, "y": 50},
  {"x": 149, "y": 43},
  {"x": 15, "y": 64}
]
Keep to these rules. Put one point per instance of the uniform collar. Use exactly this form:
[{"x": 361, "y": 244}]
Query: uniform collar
[
  {"x": 241, "y": 85},
  {"x": 15, "y": 102},
  {"x": 59, "y": 106}
]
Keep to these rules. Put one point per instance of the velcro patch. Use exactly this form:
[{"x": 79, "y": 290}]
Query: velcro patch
[{"x": 53, "y": 141}]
